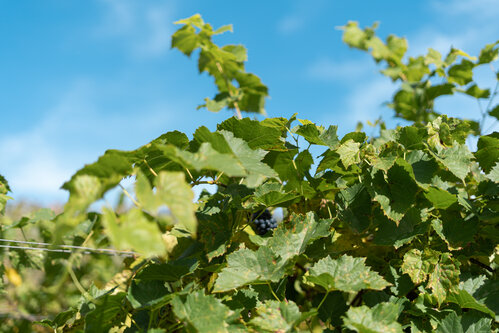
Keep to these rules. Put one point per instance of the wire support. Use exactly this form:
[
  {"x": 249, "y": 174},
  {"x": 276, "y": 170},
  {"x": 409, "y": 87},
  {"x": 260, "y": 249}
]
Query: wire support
[{"x": 64, "y": 248}]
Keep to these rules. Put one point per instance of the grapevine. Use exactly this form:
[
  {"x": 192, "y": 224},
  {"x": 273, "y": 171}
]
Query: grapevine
[{"x": 391, "y": 233}]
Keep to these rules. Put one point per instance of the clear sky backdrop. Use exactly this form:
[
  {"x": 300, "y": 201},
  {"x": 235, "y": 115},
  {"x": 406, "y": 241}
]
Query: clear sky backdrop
[{"x": 78, "y": 77}]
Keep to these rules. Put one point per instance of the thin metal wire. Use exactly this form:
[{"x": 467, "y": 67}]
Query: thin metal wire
[
  {"x": 41, "y": 249},
  {"x": 64, "y": 248}
]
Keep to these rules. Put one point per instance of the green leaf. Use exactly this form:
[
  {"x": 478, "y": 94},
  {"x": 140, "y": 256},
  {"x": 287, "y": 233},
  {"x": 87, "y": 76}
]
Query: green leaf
[
  {"x": 494, "y": 173},
  {"x": 272, "y": 195},
  {"x": 444, "y": 278},
  {"x": 353, "y": 36},
  {"x": 434, "y": 57},
  {"x": 170, "y": 272},
  {"x": 349, "y": 153},
  {"x": 457, "y": 159},
  {"x": 210, "y": 159},
  {"x": 439, "y": 90},
  {"x": 105, "y": 313},
  {"x": 454, "y": 230},
  {"x": 133, "y": 231},
  {"x": 466, "y": 301},
  {"x": 381, "y": 318},
  {"x": 461, "y": 73},
  {"x": 397, "y": 193},
  {"x": 142, "y": 294},
  {"x": 291, "y": 239},
  {"x": 185, "y": 39},
  {"x": 172, "y": 191},
  {"x": 488, "y": 53},
  {"x": 201, "y": 313},
  {"x": 273, "y": 316},
  {"x": 255, "y": 133},
  {"x": 346, "y": 274},
  {"x": 383, "y": 162},
  {"x": 476, "y": 92},
  {"x": 494, "y": 112},
  {"x": 411, "y": 225},
  {"x": 250, "y": 159},
  {"x": 92, "y": 181},
  {"x": 440, "y": 198},
  {"x": 487, "y": 153},
  {"x": 355, "y": 206},
  {"x": 245, "y": 266},
  {"x": 317, "y": 135},
  {"x": 468, "y": 323}
]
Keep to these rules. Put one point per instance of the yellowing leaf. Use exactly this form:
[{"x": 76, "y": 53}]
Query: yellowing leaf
[{"x": 13, "y": 276}]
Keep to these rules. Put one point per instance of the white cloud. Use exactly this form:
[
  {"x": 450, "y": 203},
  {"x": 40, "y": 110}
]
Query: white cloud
[
  {"x": 364, "y": 102},
  {"x": 302, "y": 12},
  {"x": 144, "y": 26},
  {"x": 327, "y": 69},
  {"x": 290, "y": 24},
  {"x": 75, "y": 131},
  {"x": 479, "y": 9}
]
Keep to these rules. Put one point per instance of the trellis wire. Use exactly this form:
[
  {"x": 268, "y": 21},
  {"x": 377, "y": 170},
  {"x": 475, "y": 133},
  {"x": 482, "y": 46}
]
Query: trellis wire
[{"x": 64, "y": 248}]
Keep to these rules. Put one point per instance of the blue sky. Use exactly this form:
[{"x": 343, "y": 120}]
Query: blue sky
[{"x": 79, "y": 77}]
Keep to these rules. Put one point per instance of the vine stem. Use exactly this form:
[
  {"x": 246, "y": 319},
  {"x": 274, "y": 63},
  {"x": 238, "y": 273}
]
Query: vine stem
[
  {"x": 189, "y": 173},
  {"x": 236, "y": 105},
  {"x": 130, "y": 196},
  {"x": 150, "y": 169},
  {"x": 272, "y": 291},
  {"x": 73, "y": 276},
  {"x": 322, "y": 301}
]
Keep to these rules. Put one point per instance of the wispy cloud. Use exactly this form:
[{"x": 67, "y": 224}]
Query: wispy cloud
[
  {"x": 144, "y": 27},
  {"x": 299, "y": 16},
  {"x": 74, "y": 131},
  {"x": 327, "y": 69},
  {"x": 479, "y": 9},
  {"x": 364, "y": 102}
]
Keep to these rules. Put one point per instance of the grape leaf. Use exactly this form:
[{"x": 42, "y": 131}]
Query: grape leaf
[
  {"x": 494, "y": 173},
  {"x": 245, "y": 266},
  {"x": 250, "y": 159},
  {"x": 381, "y": 318},
  {"x": 457, "y": 159},
  {"x": 291, "y": 239},
  {"x": 103, "y": 315},
  {"x": 440, "y": 198},
  {"x": 276, "y": 316},
  {"x": 254, "y": 132},
  {"x": 389, "y": 233},
  {"x": 349, "y": 153},
  {"x": 465, "y": 300},
  {"x": 487, "y": 153},
  {"x": 170, "y": 271},
  {"x": 208, "y": 158},
  {"x": 444, "y": 278},
  {"x": 150, "y": 293},
  {"x": 468, "y": 323},
  {"x": 318, "y": 135},
  {"x": 346, "y": 274},
  {"x": 418, "y": 264},
  {"x": 172, "y": 191},
  {"x": 397, "y": 193},
  {"x": 134, "y": 232},
  {"x": 202, "y": 313},
  {"x": 272, "y": 195}
]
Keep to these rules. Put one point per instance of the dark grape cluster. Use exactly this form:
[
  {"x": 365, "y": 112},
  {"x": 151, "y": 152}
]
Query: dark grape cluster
[{"x": 263, "y": 222}]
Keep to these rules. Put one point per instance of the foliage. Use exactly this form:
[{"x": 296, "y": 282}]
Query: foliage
[{"x": 385, "y": 234}]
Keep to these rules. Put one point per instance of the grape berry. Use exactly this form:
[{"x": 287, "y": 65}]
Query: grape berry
[{"x": 263, "y": 222}]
